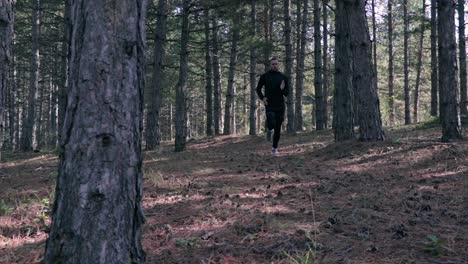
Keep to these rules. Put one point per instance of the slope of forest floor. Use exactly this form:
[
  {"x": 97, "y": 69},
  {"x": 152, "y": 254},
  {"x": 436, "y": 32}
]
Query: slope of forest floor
[{"x": 228, "y": 200}]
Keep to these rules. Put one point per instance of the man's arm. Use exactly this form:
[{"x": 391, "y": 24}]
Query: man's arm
[{"x": 260, "y": 84}]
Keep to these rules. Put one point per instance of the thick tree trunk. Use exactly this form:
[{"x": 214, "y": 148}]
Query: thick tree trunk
[
  {"x": 326, "y": 80},
  {"x": 28, "y": 125},
  {"x": 391, "y": 108},
  {"x": 462, "y": 57},
  {"x": 318, "y": 81},
  {"x": 64, "y": 82},
  {"x": 419, "y": 67},
  {"x": 405, "y": 63},
  {"x": 288, "y": 64},
  {"x": 216, "y": 78},
  {"x": 230, "y": 91},
  {"x": 343, "y": 97},
  {"x": 97, "y": 213},
  {"x": 434, "y": 60},
  {"x": 181, "y": 103},
  {"x": 209, "y": 79},
  {"x": 6, "y": 49},
  {"x": 153, "y": 128},
  {"x": 252, "y": 74},
  {"x": 369, "y": 118},
  {"x": 448, "y": 81}
]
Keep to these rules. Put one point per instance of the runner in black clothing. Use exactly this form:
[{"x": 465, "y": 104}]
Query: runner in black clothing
[{"x": 276, "y": 87}]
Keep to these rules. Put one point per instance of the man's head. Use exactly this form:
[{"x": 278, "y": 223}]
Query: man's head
[{"x": 274, "y": 64}]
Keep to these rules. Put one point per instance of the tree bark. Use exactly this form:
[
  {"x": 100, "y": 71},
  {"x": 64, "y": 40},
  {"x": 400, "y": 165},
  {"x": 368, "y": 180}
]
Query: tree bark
[
  {"x": 65, "y": 57},
  {"x": 209, "y": 79},
  {"x": 326, "y": 80},
  {"x": 391, "y": 96},
  {"x": 216, "y": 78},
  {"x": 181, "y": 103},
  {"x": 6, "y": 49},
  {"x": 343, "y": 97},
  {"x": 298, "y": 118},
  {"x": 318, "y": 81},
  {"x": 288, "y": 64},
  {"x": 434, "y": 60},
  {"x": 419, "y": 67},
  {"x": 462, "y": 57},
  {"x": 252, "y": 74},
  {"x": 448, "y": 81},
  {"x": 153, "y": 128},
  {"x": 374, "y": 38},
  {"x": 405, "y": 63},
  {"x": 97, "y": 213},
  {"x": 230, "y": 91}
]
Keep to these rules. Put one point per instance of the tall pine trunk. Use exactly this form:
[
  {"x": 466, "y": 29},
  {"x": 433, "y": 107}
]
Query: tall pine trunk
[
  {"x": 181, "y": 102},
  {"x": 64, "y": 60},
  {"x": 434, "y": 61},
  {"x": 288, "y": 64},
  {"x": 374, "y": 38},
  {"x": 462, "y": 57},
  {"x": 343, "y": 114},
  {"x": 419, "y": 67},
  {"x": 252, "y": 73},
  {"x": 300, "y": 66},
  {"x": 391, "y": 108},
  {"x": 405, "y": 63},
  {"x": 318, "y": 81},
  {"x": 153, "y": 128},
  {"x": 216, "y": 78},
  {"x": 448, "y": 81},
  {"x": 97, "y": 213},
  {"x": 209, "y": 79},
  {"x": 326, "y": 81}
]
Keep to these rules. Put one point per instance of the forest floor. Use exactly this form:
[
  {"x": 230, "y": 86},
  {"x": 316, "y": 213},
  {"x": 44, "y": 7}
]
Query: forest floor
[{"x": 228, "y": 200}]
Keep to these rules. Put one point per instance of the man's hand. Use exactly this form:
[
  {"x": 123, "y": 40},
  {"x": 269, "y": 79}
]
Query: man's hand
[
  {"x": 282, "y": 85},
  {"x": 265, "y": 100}
]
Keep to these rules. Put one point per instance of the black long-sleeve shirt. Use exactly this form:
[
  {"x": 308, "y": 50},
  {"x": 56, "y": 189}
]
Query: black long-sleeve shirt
[{"x": 272, "y": 82}]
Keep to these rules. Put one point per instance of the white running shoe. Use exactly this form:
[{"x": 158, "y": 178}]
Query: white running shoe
[{"x": 274, "y": 151}]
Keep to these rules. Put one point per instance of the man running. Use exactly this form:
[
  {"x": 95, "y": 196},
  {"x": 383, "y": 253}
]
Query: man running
[{"x": 276, "y": 87}]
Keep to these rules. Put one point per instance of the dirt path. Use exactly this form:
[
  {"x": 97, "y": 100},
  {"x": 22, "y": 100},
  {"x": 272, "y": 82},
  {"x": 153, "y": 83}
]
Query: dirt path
[{"x": 228, "y": 200}]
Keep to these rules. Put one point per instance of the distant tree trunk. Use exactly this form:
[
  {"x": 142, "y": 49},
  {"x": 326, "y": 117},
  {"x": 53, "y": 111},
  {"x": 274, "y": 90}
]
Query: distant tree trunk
[
  {"x": 419, "y": 67},
  {"x": 153, "y": 128},
  {"x": 318, "y": 81},
  {"x": 391, "y": 108},
  {"x": 288, "y": 64},
  {"x": 6, "y": 49},
  {"x": 462, "y": 57},
  {"x": 325, "y": 66},
  {"x": 28, "y": 125},
  {"x": 434, "y": 62},
  {"x": 343, "y": 96},
  {"x": 253, "y": 65},
  {"x": 298, "y": 122},
  {"x": 405, "y": 63},
  {"x": 298, "y": 118},
  {"x": 208, "y": 80},
  {"x": 230, "y": 92},
  {"x": 374, "y": 38},
  {"x": 52, "y": 140},
  {"x": 216, "y": 78},
  {"x": 37, "y": 129},
  {"x": 267, "y": 31},
  {"x": 64, "y": 82},
  {"x": 181, "y": 102},
  {"x": 450, "y": 115},
  {"x": 369, "y": 119},
  {"x": 97, "y": 213}
]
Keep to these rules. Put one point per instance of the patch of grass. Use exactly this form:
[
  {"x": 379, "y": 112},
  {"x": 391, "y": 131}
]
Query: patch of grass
[
  {"x": 154, "y": 177},
  {"x": 308, "y": 257},
  {"x": 189, "y": 244},
  {"x": 434, "y": 245},
  {"x": 5, "y": 209},
  {"x": 431, "y": 123}
]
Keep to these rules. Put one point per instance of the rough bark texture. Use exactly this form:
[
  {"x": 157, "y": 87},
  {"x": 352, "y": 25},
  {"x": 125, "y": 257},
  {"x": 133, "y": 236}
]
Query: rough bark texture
[
  {"x": 181, "y": 104},
  {"x": 326, "y": 80},
  {"x": 406, "y": 63},
  {"x": 343, "y": 96},
  {"x": 419, "y": 67},
  {"x": 318, "y": 81},
  {"x": 153, "y": 128},
  {"x": 253, "y": 65},
  {"x": 448, "y": 81},
  {"x": 288, "y": 64},
  {"x": 369, "y": 119},
  {"x": 209, "y": 79},
  {"x": 374, "y": 38},
  {"x": 216, "y": 78},
  {"x": 462, "y": 57},
  {"x": 230, "y": 92},
  {"x": 6, "y": 46},
  {"x": 391, "y": 108},
  {"x": 97, "y": 213},
  {"x": 300, "y": 68},
  {"x": 28, "y": 124},
  {"x": 434, "y": 60}
]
